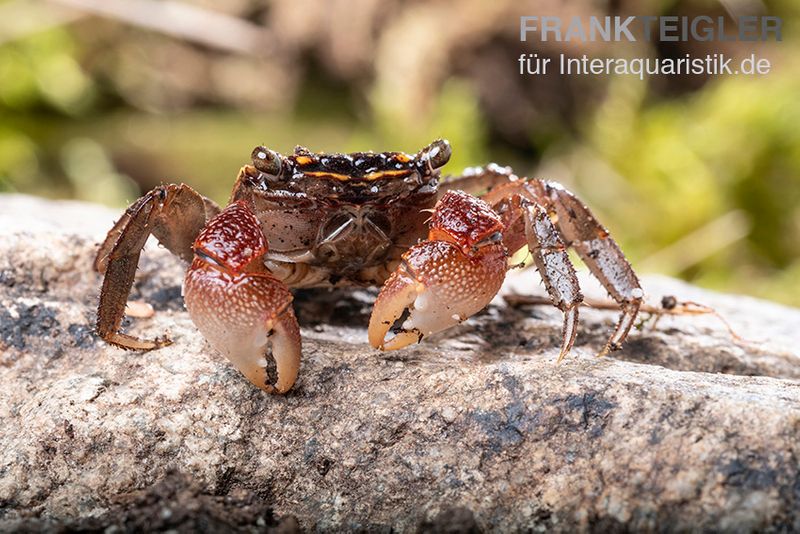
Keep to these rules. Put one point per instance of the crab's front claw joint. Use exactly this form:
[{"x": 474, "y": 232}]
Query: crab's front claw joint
[
  {"x": 240, "y": 308},
  {"x": 437, "y": 286}
]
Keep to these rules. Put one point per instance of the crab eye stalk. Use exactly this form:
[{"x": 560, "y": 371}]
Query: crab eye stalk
[
  {"x": 266, "y": 160},
  {"x": 436, "y": 155}
]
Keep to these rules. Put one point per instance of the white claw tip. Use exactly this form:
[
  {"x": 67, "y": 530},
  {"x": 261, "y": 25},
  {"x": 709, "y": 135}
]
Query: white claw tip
[{"x": 637, "y": 293}]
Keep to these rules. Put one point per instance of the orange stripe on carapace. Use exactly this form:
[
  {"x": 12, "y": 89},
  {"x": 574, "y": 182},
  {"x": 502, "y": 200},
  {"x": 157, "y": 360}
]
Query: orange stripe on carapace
[
  {"x": 303, "y": 160},
  {"x": 323, "y": 174},
  {"x": 369, "y": 177},
  {"x": 380, "y": 174}
]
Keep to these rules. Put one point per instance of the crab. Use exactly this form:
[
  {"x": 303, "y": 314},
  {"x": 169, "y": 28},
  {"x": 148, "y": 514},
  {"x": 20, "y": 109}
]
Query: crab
[{"x": 439, "y": 252}]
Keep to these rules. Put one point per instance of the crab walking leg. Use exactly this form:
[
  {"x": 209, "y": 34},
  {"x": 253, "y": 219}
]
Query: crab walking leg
[
  {"x": 478, "y": 180},
  {"x": 599, "y": 252},
  {"x": 552, "y": 261},
  {"x": 444, "y": 280},
  {"x": 175, "y": 214},
  {"x": 240, "y": 308}
]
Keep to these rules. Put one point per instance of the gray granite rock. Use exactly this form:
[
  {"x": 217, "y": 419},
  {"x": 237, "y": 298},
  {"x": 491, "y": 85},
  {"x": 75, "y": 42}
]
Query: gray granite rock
[{"x": 477, "y": 428}]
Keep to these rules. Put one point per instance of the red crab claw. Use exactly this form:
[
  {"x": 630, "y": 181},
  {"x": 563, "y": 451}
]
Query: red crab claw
[
  {"x": 239, "y": 307},
  {"x": 444, "y": 280}
]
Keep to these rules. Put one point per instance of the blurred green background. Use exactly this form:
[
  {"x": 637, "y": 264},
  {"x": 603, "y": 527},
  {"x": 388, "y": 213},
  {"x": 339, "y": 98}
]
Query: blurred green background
[{"x": 696, "y": 177}]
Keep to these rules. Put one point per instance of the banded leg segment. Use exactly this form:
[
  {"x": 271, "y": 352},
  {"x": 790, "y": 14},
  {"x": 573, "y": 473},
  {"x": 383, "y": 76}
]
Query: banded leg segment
[
  {"x": 554, "y": 220},
  {"x": 175, "y": 214},
  {"x": 240, "y": 308},
  {"x": 478, "y": 180},
  {"x": 598, "y": 250},
  {"x": 552, "y": 261}
]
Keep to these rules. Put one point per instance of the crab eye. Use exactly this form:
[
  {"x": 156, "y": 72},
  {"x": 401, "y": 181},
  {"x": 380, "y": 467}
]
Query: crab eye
[
  {"x": 266, "y": 160},
  {"x": 436, "y": 154}
]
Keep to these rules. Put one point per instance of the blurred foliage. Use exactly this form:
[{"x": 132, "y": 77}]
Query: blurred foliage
[
  {"x": 711, "y": 181},
  {"x": 696, "y": 177}
]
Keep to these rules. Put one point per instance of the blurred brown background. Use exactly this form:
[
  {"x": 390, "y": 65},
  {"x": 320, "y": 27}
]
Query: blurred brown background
[{"x": 697, "y": 177}]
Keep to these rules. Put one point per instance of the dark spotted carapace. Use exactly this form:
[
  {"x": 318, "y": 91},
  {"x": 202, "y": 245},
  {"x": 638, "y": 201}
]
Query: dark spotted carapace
[
  {"x": 358, "y": 168},
  {"x": 342, "y": 217}
]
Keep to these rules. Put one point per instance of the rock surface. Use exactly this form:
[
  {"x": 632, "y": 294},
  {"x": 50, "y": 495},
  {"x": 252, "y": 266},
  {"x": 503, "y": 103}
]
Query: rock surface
[{"x": 476, "y": 429}]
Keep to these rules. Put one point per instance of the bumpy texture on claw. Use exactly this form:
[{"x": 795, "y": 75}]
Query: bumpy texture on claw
[
  {"x": 238, "y": 306},
  {"x": 444, "y": 280}
]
